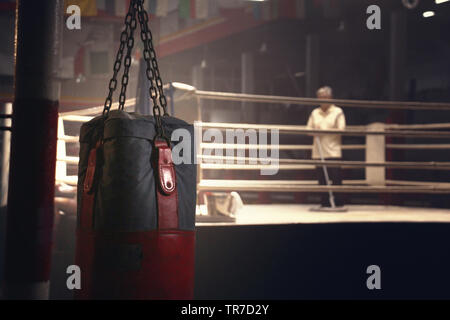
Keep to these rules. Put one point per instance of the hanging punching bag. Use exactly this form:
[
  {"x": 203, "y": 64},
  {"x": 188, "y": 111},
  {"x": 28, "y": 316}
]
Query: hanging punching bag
[{"x": 136, "y": 207}]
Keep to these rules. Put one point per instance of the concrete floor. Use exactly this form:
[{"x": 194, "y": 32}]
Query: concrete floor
[{"x": 284, "y": 251}]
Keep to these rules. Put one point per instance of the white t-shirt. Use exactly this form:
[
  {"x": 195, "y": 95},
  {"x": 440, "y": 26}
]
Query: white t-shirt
[{"x": 331, "y": 144}]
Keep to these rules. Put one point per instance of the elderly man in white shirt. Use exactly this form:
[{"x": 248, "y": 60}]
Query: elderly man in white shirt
[{"x": 326, "y": 117}]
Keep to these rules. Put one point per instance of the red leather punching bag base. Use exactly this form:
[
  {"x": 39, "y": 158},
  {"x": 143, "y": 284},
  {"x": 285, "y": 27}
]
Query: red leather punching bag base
[{"x": 157, "y": 264}]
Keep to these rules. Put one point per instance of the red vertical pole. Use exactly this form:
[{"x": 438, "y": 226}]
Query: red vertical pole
[{"x": 33, "y": 149}]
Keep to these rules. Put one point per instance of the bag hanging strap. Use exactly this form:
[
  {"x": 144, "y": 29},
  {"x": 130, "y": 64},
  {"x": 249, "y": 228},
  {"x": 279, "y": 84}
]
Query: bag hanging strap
[
  {"x": 88, "y": 195},
  {"x": 166, "y": 187}
]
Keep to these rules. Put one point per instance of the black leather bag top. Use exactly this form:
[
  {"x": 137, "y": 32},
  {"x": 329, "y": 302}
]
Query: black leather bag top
[{"x": 125, "y": 182}]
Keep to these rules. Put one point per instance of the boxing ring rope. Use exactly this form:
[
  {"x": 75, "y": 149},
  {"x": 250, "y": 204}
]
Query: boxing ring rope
[
  {"x": 258, "y": 187},
  {"x": 244, "y": 97},
  {"x": 211, "y": 145},
  {"x": 292, "y": 129},
  {"x": 429, "y": 130},
  {"x": 349, "y": 164}
]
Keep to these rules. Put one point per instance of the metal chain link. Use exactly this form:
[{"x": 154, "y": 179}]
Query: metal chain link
[
  {"x": 118, "y": 62},
  {"x": 152, "y": 70},
  {"x": 131, "y": 20}
]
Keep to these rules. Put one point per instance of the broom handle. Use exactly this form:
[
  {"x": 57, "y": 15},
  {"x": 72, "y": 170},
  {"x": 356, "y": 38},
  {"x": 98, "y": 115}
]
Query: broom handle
[{"x": 325, "y": 171}]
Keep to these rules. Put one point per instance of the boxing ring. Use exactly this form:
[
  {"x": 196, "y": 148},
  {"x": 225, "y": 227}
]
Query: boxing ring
[{"x": 375, "y": 166}]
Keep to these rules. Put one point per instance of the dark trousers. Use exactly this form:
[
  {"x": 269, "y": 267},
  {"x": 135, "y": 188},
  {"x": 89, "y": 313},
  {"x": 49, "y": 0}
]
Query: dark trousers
[{"x": 334, "y": 174}]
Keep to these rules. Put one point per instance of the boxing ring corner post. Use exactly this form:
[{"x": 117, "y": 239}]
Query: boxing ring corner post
[
  {"x": 30, "y": 208},
  {"x": 375, "y": 151}
]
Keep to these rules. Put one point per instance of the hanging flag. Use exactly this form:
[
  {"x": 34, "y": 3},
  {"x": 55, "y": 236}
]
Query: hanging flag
[
  {"x": 287, "y": 8},
  {"x": 201, "y": 9},
  {"x": 230, "y": 4},
  {"x": 193, "y": 11},
  {"x": 266, "y": 10},
  {"x": 101, "y": 5},
  {"x": 313, "y": 9},
  {"x": 294, "y": 9},
  {"x": 300, "y": 9},
  {"x": 173, "y": 5},
  {"x": 79, "y": 61},
  {"x": 257, "y": 11},
  {"x": 213, "y": 8},
  {"x": 110, "y": 7},
  {"x": 88, "y": 8},
  {"x": 184, "y": 9},
  {"x": 169, "y": 24},
  {"x": 151, "y": 6},
  {"x": 274, "y": 10},
  {"x": 262, "y": 10},
  {"x": 162, "y": 8},
  {"x": 120, "y": 8},
  {"x": 330, "y": 8}
]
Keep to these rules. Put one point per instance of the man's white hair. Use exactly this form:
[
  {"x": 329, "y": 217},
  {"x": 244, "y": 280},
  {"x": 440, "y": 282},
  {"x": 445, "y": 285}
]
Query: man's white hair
[{"x": 325, "y": 91}]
